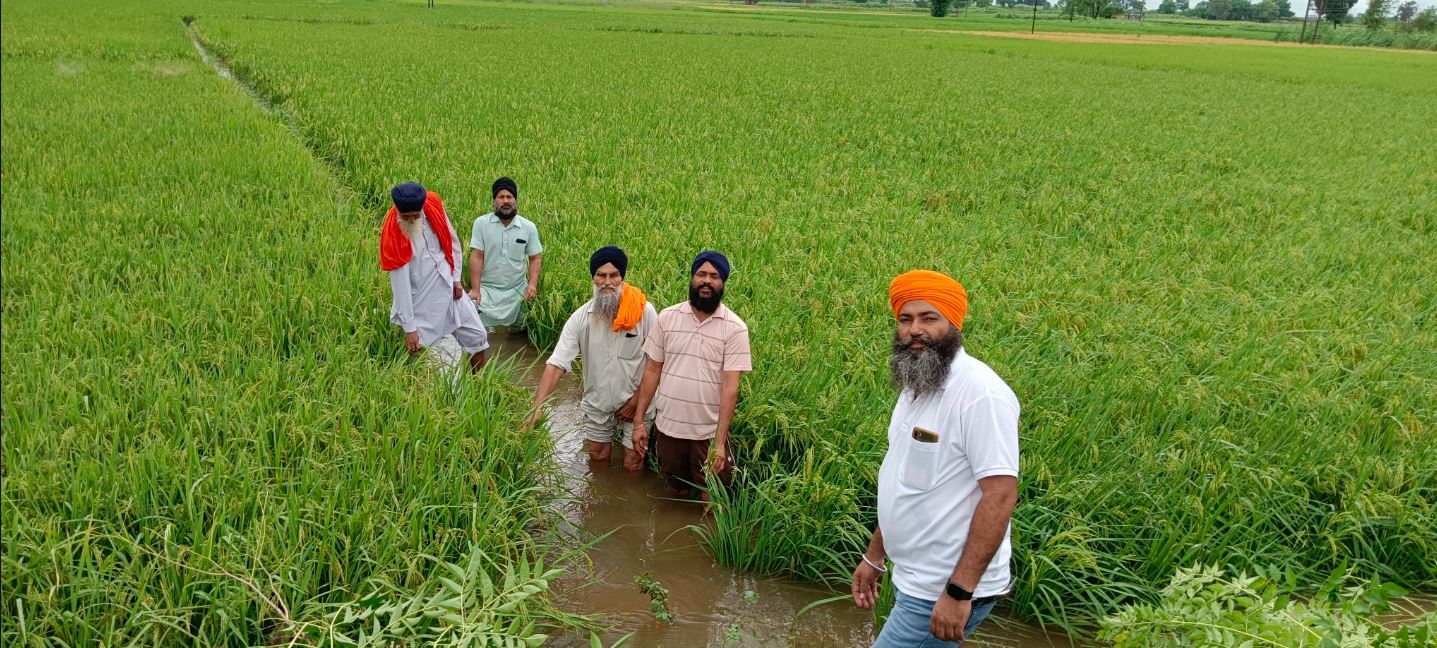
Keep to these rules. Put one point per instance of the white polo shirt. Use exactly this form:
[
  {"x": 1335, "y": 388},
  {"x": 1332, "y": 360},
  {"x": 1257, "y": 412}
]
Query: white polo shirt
[{"x": 927, "y": 492}]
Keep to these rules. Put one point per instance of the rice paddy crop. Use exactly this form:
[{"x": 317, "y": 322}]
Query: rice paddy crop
[{"x": 1202, "y": 268}]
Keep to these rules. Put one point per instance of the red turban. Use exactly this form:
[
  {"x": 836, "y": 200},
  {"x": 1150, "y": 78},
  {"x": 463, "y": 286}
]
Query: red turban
[
  {"x": 945, "y": 293},
  {"x": 394, "y": 248}
]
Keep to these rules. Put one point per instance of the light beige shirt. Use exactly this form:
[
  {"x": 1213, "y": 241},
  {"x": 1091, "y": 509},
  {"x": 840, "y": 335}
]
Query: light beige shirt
[
  {"x": 695, "y": 355},
  {"x": 613, "y": 361}
]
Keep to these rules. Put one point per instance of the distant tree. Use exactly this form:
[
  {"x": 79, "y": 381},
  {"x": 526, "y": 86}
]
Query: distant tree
[
  {"x": 1426, "y": 20},
  {"x": 938, "y": 8},
  {"x": 1183, "y": 6},
  {"x": 1220, "y": 9},
  {"x": 1376, "y": 16},
  {"x": 1200, "y": 10},
  {"x": 1240, "y": 10},
  {"x": 1168, "y": 7},
  {"x": 1407, "y": 11},
  {"x": 1265, "y": 11},
  {"x": 1284, "y": 9},
  {"x": 1007, "y": 4},
  {"x": 1335, "y": 11}
]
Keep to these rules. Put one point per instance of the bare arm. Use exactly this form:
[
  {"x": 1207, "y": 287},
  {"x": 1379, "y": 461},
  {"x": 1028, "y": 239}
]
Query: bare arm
[
  {"x": 547, "y": 383},
  {"x": 728, "y": 401},
  {"x": 476, "y": 267},
  {"x": 533, "y": 289},
  {"x": 647, "y": 386},
  {"x": 865, "y": 575},
  {"x": 990, "y": 525}
]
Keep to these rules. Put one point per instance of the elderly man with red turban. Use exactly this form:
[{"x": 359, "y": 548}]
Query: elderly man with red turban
[
  {"x": 949, "y": 480},
  {"x": 421, "y": 253}
]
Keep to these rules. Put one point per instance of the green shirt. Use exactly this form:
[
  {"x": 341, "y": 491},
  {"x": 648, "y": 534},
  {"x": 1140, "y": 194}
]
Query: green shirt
[{"x": 506, "y": 249}]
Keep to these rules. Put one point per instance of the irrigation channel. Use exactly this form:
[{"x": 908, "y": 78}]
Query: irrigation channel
[{"x": 712, "y": 605}]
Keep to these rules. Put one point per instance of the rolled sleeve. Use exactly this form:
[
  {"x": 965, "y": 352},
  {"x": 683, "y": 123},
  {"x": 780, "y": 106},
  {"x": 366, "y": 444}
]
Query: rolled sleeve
[
  {"x": 736, "y": 354},
  {"x": 567, "y": 348},
  {"x": 990, "y": 437},
  {"x": 476, "y": 234},
  {"x": 654, "y": 343},
  {"x": 533, "y": 246}
]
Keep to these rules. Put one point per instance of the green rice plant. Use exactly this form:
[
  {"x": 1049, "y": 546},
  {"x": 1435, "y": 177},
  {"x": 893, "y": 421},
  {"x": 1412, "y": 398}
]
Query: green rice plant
[
  {"x": 1208, "y": 296},
  {"x": 1202, "y": 606},
  {"x": 210, "y": 432}
]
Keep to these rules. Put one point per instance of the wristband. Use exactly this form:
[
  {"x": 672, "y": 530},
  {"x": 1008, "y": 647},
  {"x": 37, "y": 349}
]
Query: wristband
[{"x": 879, "y": 568}]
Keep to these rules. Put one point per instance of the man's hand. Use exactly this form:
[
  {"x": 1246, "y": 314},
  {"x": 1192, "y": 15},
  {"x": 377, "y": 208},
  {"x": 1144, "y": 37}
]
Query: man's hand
[
  {"x": 411, "y": 342},
  {"x": 865, "y": 585},
  {"x": 641, "y": 437},
  {"x": 626, "y": 411},
  {"x": 950, "y": 615},
  {"x": 474, "y": 295},
  {"x": 533, "y": 418},
  {"x": 719, "y": 457},
  {"x": 531, "y": 292},
  {"x": 458, "y": 290}
]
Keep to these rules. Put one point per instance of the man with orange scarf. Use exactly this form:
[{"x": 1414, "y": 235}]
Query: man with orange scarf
[
  {"x": 421, "y": 253},
  {"x": 949, "y": 480},
  {"x": 609, "y": 332}
]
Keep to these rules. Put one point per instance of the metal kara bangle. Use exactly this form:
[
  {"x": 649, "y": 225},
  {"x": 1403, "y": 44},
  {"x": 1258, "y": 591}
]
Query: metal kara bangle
[{"x": 881, "y": 569}]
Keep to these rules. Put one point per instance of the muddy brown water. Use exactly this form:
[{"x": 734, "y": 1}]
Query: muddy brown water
[{"x": 712, "y": 605}]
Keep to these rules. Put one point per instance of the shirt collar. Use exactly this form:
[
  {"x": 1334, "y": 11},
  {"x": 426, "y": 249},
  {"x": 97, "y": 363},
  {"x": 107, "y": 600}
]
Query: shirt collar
[
  {"x": 494, "y": 218},
  {"x": 688, "y": 309}
]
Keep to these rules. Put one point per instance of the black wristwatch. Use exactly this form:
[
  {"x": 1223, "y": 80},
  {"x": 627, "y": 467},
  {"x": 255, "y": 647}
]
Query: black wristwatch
[{"x": 956, "y": 591}]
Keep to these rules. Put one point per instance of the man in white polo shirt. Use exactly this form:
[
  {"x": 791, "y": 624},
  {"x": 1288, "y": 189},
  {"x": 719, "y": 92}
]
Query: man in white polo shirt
[
  {"x": 698, "y": 351},
  {"x": 949, "y": 481}
]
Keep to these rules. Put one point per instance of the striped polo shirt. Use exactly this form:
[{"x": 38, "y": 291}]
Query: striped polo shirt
[{"x": 695, "y": 354}]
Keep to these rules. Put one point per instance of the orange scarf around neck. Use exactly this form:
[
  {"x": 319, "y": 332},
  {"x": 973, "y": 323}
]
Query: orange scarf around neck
[
  {"x": 394, "y": 247},
  {"x": 631, "y": 308}
]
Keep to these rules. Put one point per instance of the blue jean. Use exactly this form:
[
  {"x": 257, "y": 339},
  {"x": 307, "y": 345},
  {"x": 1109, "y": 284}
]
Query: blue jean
[{"x": 907, "y": 624}]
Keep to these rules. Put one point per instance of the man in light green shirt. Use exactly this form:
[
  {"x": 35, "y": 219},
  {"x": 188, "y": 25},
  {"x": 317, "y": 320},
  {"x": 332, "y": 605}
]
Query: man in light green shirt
[{"x": 504, "y": 259}]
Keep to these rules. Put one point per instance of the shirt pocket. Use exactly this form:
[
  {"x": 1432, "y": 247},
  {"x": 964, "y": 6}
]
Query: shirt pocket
[
  {"x": 516, "y": 249},
  {"x": 920, "y": 465},
  {"x": 630, "y": 346}
]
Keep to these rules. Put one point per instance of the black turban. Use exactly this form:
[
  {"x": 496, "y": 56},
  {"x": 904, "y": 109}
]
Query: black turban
[
  {"x": 504, "y": 183},
  {"x": 720, "y": 263},
  {"x": 408, "y": 196},
  {"x": 609, "y": 254}
]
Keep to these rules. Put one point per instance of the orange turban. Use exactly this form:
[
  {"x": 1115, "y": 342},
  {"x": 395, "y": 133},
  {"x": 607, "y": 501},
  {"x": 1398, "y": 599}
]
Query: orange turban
[{"x": 945, "y": 293}]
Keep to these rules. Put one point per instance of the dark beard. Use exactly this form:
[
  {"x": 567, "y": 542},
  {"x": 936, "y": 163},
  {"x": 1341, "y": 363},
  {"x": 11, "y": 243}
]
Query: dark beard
[
  {"x": 506, "y": 217},
  {"x": 923, "y": 373},
  {"x": 705, "y": 304}
]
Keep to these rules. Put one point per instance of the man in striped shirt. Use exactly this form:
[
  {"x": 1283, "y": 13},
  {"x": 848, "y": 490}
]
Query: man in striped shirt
[{"x": 697, "y": 353}]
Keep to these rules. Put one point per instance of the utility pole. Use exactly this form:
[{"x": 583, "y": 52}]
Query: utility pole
[{"x": 1034, "y": 28}]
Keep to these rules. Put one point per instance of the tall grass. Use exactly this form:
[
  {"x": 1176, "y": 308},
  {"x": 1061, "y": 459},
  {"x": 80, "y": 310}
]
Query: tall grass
[
  {"x": 1217, "y": 321},
  {"x": 210, "y": 432}
]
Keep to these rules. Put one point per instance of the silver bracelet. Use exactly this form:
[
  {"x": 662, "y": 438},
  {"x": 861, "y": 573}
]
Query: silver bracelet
[{"x": 880, "y": 568}]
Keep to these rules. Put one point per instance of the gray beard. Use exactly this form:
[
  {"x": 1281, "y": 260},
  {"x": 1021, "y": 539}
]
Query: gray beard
[
  {"x": 923, "y": 373},
  {"x": 412, "y": 229},
  {"x": 606, "y": 305}
]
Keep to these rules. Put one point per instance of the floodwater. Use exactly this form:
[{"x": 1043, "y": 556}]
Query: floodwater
[{"x": 711, "y": 605}]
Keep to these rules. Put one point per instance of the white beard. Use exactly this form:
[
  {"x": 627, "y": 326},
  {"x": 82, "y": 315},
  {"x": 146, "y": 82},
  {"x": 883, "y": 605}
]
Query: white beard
[
  {"x": 606, "y": 305},
  {"x": 412, "y": 229}
]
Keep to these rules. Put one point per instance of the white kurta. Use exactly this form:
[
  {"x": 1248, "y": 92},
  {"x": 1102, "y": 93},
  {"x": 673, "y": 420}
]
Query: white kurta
[{"x": 423, "y": 291}]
